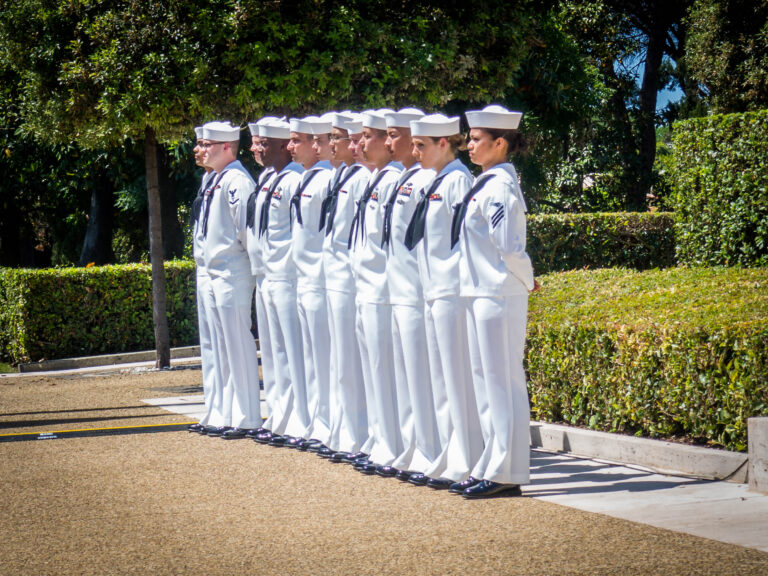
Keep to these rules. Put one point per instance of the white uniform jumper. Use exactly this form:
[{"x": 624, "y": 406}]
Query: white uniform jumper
[
  {"x": 226, "y": 259},
  {"x": 312, "y": 409},
  {"x": 212, "y": 378},
  {"x": 374, "y": 316},
  {"x": 349, "y": 421},
  {"x": 415, "y": 405},
  {"x": 496, "y": 275},
  {"x": 446, "y": 328},
  {"x": 274, "y": 223},
  {"x": 255, "y": 202}
]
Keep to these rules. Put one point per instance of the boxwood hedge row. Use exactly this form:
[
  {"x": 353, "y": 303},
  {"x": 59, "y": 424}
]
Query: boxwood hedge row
[
  {"x": 681, "y": 352},
  {"x": 66, "y": 312},
  {"x": 558, "y": 242},
  {"x": 720, "y": 189}
]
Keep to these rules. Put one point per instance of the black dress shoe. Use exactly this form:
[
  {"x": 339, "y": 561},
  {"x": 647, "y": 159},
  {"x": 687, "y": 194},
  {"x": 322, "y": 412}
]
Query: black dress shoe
[
  {"x": 337, "y": 457},
  {"x": 404, "y": 475},
  {"x": 368, "y": 469},
  {"x": 326, "y": 452},
  {"x": 304, "y": 445},
  {"x": 386, "y": 471},
  {"x": 278, "y": 441},
  {"x": 316, "y": 447},
  {"x": 439, "y": 483},
  {"x": 198, "y": 428},
  {"x": 459, "y": 487},
  {"x": 263, "y": 438},
  {"x": 360, "y": 463},
  {"x": 235, "y": 434},
  {"x": 217, "y": 430},
  {"x": 293, "y": 442},
  {"x": 418, "y": 479},
  {"x": 253, "y": 432},
  {"x": 352, "y": 457},
  {"x": 488, "y": 489}
]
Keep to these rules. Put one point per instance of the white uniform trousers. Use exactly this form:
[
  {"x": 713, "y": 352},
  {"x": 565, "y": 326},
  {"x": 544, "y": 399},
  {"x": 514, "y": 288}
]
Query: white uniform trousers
[
  {"x": 499, "y": 330},
  {"x": 212, "y": 382},
  {"x": 288, "y": 362},
  {"x": 374, "y": 337},
  {"x": 315, "y": 336},
  {"x": 455, "y": 410},
  {"x": 349, "y": 419},
  {"x": 415, "y": 405},
  {"x": 236, "y": 346},
  {"x": 265, "y": 349}
]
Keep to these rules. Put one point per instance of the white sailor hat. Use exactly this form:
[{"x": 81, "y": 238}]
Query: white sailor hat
[
  {"x": 254, "y": 126},
  {"x": 199, "y": 132},
  {"x": 376, "y": 118},
  {"x": 342, "y": 119},
  {"x": 435, "y": 125},
  {"x": 355, "y": 126},
  {"x": 277, "y": 128},
  {"x": 494, "y": 117},
  {"x": 323, "y": 124},
  {"x": 221, "y": 132},
  {"x": 303, "y": 125},
  {"x": 402, "y": 118}
]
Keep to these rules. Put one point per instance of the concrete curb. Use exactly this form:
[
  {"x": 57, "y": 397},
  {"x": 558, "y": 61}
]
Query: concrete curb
[
  {"x": 106, "y": 360},
  {"x": 657, "y": 455}
]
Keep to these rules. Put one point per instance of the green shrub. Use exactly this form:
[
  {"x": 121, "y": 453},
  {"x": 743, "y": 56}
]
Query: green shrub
[
  {"x": 721, "y": 189},
  {"x": 559, "y": 242},
  {"x": 669, "y": 353},
  {"x": 59, "y": 313}
]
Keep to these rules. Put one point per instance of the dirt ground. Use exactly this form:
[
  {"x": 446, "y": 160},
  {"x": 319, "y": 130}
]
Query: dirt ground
[{"x": 177, "y": 503}]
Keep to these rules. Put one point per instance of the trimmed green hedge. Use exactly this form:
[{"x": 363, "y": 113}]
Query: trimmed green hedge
[
  {"x": 681, "y": 352},
  {"x": 65, "y": 312},
  {"x": 558, "y": 242},
  {"x": 720, "y": 189}
]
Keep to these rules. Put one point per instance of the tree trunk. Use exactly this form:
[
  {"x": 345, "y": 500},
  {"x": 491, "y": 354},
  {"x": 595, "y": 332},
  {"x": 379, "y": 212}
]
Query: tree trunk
[
  {"x": 97, "y": 246},
  {"x": 646, "y": 124},
  {"x": 162, "y": 339}
]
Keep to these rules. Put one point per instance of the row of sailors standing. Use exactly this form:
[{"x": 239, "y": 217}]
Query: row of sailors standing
[{"x": 391, "y": 294}]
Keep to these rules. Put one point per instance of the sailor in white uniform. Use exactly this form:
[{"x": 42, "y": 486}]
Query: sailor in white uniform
[
  {"x": 349, "y": 422},
  {"x": 374, "y": 334},
  {"x": 436, "y": 139},
  {"x": 496, "y": 276},
  {"x": 415, "y": 406},
  {"x": 211, "y": 377},
  {"x": 223, "y": 230},
  {"x": 255, "y": 202},
  {"x": 311, "y": 414},
  {"x": 274, "y": 225}
]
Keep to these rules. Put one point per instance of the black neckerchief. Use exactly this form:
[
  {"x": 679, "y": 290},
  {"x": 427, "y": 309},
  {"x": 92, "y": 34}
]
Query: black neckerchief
[
  {"x": 390, "y": 205},
  {"x": 296, "y": 198},
  {"x": 209, "y": 192},
  {"x": 197, "y": 203},
  {"x": 264, "y": 219},
  {"x": 250, "y": 211},
  {"x": 331, "y": 202},
  {"x": 415, "y": 231},
  {"x": 358, "y": 222},
  {"x": 460, "y": 211}
]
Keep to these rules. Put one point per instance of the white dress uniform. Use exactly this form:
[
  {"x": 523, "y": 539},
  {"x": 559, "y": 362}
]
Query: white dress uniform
[
  {"x": 349, "y": 421},
  {"x": 374, "y": 315},
  {"x": 280, "y": 272},
  {"x": 307, "y": 203},
  {"x": 212, "y": 378},
  {"x": 226, "y": 260},
  {"x": 415, "y": 404},
  {"x": 257, "y": 268},
  {"x": 496, "y": 275},
  {"x": 445, "y": 315}
]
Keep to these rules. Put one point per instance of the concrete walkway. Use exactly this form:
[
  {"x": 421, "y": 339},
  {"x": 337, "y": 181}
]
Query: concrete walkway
[{"x": 722, "y": 511}]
